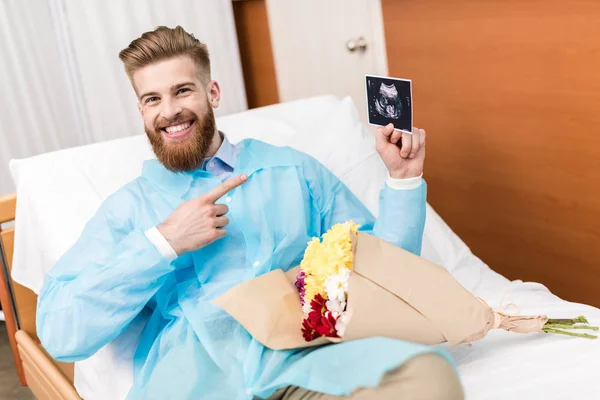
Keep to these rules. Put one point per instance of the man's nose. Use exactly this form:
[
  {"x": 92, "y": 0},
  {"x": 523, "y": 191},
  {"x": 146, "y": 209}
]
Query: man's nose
[{"x": 170, "y": 110}]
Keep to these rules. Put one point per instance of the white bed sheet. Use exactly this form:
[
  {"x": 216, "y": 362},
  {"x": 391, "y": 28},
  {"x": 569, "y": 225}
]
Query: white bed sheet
[{"x": 503, "y": 365}]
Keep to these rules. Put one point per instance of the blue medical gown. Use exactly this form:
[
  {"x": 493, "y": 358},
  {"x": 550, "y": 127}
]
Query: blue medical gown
[{"x": 190, "y": 348}]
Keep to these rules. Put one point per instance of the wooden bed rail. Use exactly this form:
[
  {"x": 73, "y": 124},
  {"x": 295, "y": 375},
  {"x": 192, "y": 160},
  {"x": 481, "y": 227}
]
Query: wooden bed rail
[
  {"x": 19, "y": 306},
  {"x": 7, "y": 298}
]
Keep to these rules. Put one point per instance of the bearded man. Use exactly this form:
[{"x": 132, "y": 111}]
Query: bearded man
[{"x": 207, "y": 215}]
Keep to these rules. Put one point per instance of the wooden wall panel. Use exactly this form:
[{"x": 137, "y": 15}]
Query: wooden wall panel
[
  {"x": 256, "y": 53},
  {"x": 509, "y": 93}
]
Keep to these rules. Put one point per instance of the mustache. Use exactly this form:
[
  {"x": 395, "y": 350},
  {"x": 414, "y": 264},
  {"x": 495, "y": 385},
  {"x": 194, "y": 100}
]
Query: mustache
[
  {"x": 186, "y": 155},
  {"x": 183, "y": 117}
]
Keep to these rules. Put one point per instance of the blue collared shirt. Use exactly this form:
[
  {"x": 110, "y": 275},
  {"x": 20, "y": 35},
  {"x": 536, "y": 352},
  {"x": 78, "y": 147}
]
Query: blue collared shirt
[{"x": 221, "y": 164}]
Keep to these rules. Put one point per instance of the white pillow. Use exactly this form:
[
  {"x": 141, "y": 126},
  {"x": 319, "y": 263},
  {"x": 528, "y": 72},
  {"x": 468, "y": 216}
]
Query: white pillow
[
  {"x": 242, "y": 126},
  {"x": 343, "y": 144},
  {"x": 338, "y": 138},
  {"x": 297, "y": 113}
]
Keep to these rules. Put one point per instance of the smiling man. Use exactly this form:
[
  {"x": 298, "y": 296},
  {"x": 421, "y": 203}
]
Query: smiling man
[
  {"x": 207, "y": 215},
  {"x": 180, "y": 143}
]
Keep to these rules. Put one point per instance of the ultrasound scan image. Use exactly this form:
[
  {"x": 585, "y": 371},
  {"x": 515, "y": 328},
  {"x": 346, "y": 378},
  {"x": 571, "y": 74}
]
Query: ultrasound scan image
[
  {"x": 387, "y": 103},
  {"x": 390, "y": 100}
]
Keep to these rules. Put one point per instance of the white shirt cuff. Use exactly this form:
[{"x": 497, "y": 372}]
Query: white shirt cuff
[
  {"x": 162, "y": 245},
  {"x": 404, "y": 184}
]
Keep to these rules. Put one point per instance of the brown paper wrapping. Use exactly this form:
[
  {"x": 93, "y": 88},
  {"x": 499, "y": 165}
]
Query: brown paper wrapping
[{"x": 391, "y": 293}]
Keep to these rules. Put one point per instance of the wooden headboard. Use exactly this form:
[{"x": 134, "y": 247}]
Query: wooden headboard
[{"x": 509, "y": 92}]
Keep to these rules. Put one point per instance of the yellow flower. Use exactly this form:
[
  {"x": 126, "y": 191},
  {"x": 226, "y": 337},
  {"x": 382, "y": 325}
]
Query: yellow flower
[{"x": 328, "y": 257}]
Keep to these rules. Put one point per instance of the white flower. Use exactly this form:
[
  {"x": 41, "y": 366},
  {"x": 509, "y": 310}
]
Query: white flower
[
  {"x": 341, "y": 323},
  {"x": 336, "y": 286},
  {"x": 335, "y": 306},
  {"x": 306, "y": 308}
]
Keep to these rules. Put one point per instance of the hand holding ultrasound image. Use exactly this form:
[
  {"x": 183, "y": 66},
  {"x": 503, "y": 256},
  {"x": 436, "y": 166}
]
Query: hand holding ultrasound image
[{"x": 389, "y": 100}]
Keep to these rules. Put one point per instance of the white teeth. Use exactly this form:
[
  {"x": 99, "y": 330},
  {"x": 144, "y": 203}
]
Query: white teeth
[{"x": 178, "y": 128}]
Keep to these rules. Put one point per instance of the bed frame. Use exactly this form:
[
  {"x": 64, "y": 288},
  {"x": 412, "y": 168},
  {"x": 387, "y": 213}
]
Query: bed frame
[{"x": 46, "y": 378}]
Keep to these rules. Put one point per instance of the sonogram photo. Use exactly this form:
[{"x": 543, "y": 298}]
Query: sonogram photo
[{"x": 389, "y": 100}]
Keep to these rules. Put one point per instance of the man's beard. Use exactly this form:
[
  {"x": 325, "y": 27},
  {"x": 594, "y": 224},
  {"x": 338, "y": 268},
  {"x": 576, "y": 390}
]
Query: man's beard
[{"x": 185, "y": 154}]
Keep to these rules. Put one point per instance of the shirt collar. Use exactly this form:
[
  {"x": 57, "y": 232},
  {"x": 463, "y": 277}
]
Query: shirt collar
[
  {"x": 178, "y": 183},
  {"x": 227, "y": 153}
]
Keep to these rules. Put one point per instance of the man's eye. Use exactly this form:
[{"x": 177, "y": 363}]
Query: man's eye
[
  {"x": 151, "y": 99},
  {"x": 183, "y": 90}
]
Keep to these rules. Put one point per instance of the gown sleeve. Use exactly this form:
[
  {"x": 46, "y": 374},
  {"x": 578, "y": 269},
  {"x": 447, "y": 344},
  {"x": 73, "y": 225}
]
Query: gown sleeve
[
  {"x": 401, "y": 219},
  {"x": 100, "y": 284}
]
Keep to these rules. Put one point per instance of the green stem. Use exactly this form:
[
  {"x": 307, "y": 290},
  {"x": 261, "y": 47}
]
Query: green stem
[
  {"x": 565, "y": 326},
  {"x": 581, "y": 335},
  {"x": 581, "y": 319}
]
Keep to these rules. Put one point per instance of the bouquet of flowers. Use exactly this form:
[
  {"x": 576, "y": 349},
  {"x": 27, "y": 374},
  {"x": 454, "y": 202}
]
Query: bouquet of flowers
[
  {"x": 322, "y": 282},
  {"x": 352, "y": 285}
]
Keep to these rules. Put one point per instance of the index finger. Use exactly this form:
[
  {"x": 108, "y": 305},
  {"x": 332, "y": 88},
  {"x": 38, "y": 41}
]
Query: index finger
[{"x": 225, "y": 187}]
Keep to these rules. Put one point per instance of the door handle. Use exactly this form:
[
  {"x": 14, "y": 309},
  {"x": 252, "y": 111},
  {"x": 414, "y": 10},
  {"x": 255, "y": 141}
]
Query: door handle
[{"x": 358, "y": 44}]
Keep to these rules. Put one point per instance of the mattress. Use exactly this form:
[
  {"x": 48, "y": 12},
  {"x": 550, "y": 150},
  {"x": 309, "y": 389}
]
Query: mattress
[{"x": 58, "y": 192}]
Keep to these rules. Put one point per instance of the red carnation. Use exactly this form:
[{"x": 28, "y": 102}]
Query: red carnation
[
  {"x": 326, "y": 326},
  {"x": 318, "y": 304},
  {"x": 320, "y": 321},
  {"x": 308, "y": 331}
]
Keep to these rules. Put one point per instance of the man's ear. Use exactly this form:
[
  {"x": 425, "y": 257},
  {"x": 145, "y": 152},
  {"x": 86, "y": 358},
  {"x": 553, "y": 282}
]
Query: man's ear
[
  {"x": 213, "y": 91},
  {"x": 140, "y": 109}
]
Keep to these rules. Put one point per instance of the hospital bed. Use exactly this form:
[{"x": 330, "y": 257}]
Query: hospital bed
[{"x": 58, "y": 192}]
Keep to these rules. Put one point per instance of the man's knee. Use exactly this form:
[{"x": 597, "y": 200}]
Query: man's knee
[{"x": 427, "y": 377}]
